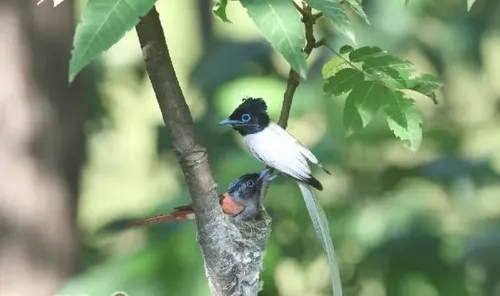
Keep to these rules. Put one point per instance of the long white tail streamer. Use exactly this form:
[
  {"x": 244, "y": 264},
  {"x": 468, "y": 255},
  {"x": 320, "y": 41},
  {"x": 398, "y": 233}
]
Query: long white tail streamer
[{"x": 320, "y": 224}]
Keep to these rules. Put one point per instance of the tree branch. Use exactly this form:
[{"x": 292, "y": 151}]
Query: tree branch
[
  {"x": 233, "y": 251},
  {"x": 293, "y": 81}
]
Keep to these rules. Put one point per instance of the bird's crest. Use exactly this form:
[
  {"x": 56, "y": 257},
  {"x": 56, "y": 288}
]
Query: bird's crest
[{"x": 253, "y": 104}]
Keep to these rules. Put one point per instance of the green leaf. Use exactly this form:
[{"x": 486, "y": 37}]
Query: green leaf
[
  {"x": 404, "y": 120},
  {"x": 334, "y": 10},
  {"x": 375, "y": 79},
  {"x": 469, "y": 4},
  {"x": 380, "y": 67},
  {"x": 104, "y": 22},
  {"x": 219, "y": 9},
  {"x": 332, "y": 66},
  {"x": 356, "y": 6},
  {"x": 390, "y": 69},
  {"x": 279, "y": 22},
  {"x": 362, "y": 103},
  {"x": 425, "y": 84},
  {"x": 359, "y": 54},
  {"x": 346, "y": 49},
  {"x": 343, "y": 82},
  {"x": 407, "y": 2},
  {"x": 336, "y": 63}
]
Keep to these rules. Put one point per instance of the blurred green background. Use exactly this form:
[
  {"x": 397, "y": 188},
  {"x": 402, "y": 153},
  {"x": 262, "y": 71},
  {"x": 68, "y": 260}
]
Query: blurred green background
[{"x": 403, "y": 224}]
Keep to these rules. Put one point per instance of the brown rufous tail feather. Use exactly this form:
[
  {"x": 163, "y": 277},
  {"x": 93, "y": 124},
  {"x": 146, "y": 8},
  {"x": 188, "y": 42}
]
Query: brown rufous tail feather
[{"x": 180, "y": 213}]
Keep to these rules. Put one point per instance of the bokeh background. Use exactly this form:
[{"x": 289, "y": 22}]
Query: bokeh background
[{"x": 78, "y": 162}]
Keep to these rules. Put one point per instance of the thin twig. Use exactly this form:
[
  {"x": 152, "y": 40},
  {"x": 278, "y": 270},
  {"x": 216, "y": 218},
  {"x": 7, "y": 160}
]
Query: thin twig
[
  {"x": 291, "y": 86},
  {"x": 293, "y": 81}
]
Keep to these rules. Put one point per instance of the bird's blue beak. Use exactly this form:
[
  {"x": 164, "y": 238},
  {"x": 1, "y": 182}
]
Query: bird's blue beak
[
  {"x": 228, "y": 121},
  {"x": 262, "y": 174},
  {"x": 268, "y": 175}
]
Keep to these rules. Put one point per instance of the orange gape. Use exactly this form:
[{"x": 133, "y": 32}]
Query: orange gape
[{"x": 229, "y": 206}]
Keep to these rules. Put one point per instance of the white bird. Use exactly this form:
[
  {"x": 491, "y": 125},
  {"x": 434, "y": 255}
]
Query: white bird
[{"x": 277, "y": 148}]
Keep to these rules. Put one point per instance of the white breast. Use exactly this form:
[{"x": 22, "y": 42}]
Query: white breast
[{"x": 278, "y": 149}]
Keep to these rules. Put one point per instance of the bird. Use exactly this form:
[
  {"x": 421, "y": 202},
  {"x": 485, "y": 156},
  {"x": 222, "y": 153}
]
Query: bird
[
  {"x": 241, "y": 201},
  {"x": 278, "y": 149}
]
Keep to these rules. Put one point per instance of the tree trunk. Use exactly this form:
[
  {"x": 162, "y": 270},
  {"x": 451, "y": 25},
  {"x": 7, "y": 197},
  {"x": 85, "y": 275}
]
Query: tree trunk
[
  {"x": 42, "y": 146},
  {"x": 233, "y": 251}
]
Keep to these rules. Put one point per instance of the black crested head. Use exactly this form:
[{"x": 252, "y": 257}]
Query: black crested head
[
  {"x": 250, "y": 116},
  {"x": 253, "y": 104},
  {"x": 245, "y": 188}
]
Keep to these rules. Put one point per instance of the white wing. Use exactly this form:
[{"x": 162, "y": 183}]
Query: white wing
[
  {"x": 280, "y": 151},
  {"x": 280, "y": 132}
]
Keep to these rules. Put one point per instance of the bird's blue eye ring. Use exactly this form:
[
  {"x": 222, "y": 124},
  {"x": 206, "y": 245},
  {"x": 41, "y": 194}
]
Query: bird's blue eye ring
[
  {"x": 250, "y": 183},
  {"x": 246, "y": 117}
]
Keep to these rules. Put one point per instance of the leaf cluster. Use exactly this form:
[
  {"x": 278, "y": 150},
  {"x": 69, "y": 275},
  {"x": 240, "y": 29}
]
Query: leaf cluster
[{"x": 375, "y": 80}]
